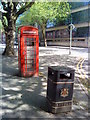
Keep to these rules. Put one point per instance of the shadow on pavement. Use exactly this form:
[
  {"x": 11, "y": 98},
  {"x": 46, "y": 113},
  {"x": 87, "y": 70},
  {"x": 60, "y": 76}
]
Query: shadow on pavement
[
  {"x": 26, "y": 97},
  {"x": 21, "y": 95}
]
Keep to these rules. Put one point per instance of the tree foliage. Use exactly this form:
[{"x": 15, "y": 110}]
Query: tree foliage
[
  {"x": 0, "y": 25},
  {"x": 63, "y": 13},
  {"x": 41, "y": 13}
]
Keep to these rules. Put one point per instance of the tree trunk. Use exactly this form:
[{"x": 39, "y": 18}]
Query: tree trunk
[
  {"x": 44, "y": 37},
  {"x": 9, "y": 17},
  {"x": 10, "y": 37}
]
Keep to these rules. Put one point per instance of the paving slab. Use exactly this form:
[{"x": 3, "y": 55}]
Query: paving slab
[{"x": 26, "y": 97}]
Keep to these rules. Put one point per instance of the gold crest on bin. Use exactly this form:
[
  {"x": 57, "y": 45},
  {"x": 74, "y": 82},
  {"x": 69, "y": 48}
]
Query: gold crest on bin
[{"x": 64, "y": 92}]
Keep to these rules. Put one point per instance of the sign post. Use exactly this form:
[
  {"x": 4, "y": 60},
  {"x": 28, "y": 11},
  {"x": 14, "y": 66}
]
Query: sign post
[
  {"x": 71, "y": 27},
  {"x": 70, "y": 39}
]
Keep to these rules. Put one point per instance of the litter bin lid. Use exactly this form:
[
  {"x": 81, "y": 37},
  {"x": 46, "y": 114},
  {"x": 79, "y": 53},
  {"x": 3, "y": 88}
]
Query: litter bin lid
[{"x": 62, "y": 68}]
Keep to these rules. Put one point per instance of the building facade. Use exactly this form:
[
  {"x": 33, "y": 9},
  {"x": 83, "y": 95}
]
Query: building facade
[{"x": 81, "y": 19}]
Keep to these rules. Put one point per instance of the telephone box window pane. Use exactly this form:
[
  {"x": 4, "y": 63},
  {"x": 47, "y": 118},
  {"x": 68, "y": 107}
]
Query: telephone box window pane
[{"x": 30, "y": 41}]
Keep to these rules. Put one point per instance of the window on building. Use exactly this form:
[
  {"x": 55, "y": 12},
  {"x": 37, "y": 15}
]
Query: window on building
[{"x": 80, "y": 17}]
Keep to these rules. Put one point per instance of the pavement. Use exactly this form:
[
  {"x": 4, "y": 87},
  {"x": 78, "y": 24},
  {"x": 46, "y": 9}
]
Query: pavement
[{"x": 26, "y": 97}]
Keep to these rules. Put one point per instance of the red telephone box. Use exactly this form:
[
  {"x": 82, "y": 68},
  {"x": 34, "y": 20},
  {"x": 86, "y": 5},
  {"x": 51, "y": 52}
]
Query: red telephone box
[{"x": 28, "y": 51}]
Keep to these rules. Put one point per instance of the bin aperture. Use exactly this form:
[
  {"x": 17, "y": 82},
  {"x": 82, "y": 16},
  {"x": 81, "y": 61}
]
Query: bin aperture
[{"x": 28, "y": 51}]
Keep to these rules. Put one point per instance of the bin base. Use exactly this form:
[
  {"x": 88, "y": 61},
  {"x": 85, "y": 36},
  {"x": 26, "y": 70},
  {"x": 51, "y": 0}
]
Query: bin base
[{"x": 59, "y": 107}]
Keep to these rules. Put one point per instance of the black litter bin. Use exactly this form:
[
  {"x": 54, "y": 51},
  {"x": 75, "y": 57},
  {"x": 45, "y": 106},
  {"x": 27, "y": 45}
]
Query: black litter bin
[{"x": 60, "y": 88}]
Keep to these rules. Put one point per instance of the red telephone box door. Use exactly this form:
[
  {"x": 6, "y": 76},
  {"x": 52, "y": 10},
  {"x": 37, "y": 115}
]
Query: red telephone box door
[{"x": 29, "y": 51}]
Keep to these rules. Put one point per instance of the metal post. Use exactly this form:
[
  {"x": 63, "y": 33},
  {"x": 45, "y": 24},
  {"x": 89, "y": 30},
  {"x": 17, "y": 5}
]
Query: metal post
[{"x": 70, "y": 39}]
